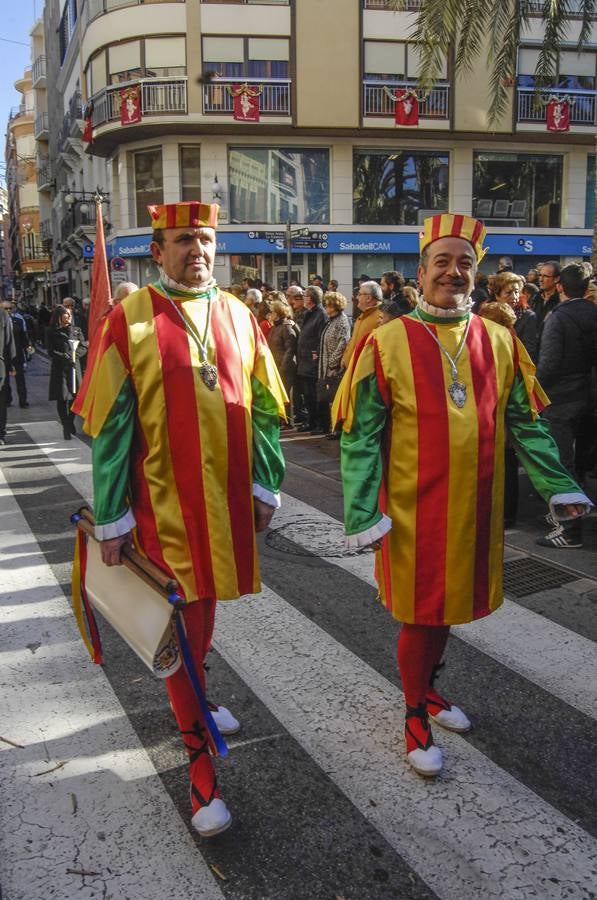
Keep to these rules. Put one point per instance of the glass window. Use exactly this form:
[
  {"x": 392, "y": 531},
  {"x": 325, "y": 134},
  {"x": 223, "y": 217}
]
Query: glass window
[
  {"x": 575, "y": 71},
  {"x": 279, "y": 184},
  {"x": 398, "y": 188},
  {"x": 237, "y": 57},
  {"x": 190, "y": 173},
  {"x": 590, "y": 198},
  {"x": 394, "y": 60},
  {"x": 165, "y": 57},
  {"x": 124, "y": 62},
  {"x": 517, "y": 189},
  {"x": 149, "y": 182}
]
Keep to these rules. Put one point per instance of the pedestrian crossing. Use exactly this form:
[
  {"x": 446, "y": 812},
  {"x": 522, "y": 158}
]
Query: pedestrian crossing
[{"x": 476, "y": 830}]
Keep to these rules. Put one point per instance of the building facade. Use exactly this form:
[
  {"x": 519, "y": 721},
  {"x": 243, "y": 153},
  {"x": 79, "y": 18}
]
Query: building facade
[
  {"x": 325, "y": 155},
  {"x": 29, "y": 262}
]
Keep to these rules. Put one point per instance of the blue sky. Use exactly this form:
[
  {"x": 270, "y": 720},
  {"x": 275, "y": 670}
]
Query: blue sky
[{"x": 18, "y": 17}]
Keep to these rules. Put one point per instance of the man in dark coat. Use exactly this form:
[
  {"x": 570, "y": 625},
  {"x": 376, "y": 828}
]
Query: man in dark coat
[
  {"x": 7, "y": 354},
  {"x": 22, "y": 347},
  {"x": 567, "y": 355},
  {"x": 548, "y": 297},
  {"x": 308, "y": 355}
]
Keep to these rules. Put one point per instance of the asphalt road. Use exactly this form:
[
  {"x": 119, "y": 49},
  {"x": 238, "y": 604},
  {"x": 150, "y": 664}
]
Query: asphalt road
[{"x": 93, "y": 777}]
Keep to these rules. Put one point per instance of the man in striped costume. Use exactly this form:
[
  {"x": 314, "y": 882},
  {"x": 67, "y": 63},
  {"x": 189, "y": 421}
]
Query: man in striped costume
[
  {"x": 183, "y": 405},
  {"x": 425, "y": 408}
]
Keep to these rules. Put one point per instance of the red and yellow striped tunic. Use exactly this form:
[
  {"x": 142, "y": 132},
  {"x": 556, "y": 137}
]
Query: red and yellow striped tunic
[
  {"x": 184, "y": 459},
  {"x": 438, "y": 470}
]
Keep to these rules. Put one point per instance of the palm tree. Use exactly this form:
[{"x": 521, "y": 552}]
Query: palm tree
[
  {"x": 495, "y": 26},
  {"x": 474, "y": 26}
]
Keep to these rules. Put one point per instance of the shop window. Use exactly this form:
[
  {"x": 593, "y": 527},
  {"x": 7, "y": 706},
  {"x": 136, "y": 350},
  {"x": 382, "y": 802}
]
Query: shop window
[
  {"x": 276, "y": 185},
  {"x": 517, "y": 189},
  {"x": 398, "y": 188},
  {"x": 247, "y": 58},
  {"x": 149, "y": 182},
  {"x": 190, "y": 173}
]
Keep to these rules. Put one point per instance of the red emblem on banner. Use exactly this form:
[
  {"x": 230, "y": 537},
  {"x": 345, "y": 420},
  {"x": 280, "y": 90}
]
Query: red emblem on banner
[
  {"x": 245, "y": 101},
  {"x": 406, "y": 111},
  {"x": 130, "y": 105},
  {"x": 558, "y": 115}
]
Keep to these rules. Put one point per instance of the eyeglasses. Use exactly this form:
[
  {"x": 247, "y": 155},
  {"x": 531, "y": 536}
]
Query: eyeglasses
[{"x": 551, "y": 277}]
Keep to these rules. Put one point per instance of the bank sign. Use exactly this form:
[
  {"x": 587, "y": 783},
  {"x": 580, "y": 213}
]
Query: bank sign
[{"x": 392, "y": 243}]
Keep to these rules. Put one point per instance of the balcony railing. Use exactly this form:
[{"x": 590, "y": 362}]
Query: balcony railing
[
  {"x": 159, "y": 97},
  {"x": 93, "y": 8},
  {"x": 536, "y": 8},
  {"x": 75, "y": 107},
  {"x": 582, "y": 111},
  {"x": 40, "y": 129},
  {"x": 406, "y": 5},
  {"x": 46, "y": 230},
  {"x": 376, "y": 101},
  {"x": 44, "y": 173},
  {"x": 39, "y": 69},
  {"x": 17, "y": 111},
  {"x": 274, "y": 99}
]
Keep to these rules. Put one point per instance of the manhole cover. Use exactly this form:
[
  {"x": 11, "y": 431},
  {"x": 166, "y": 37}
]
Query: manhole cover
[
  {"x": 310, "y": 538},
  {"x": 529, "y": 576}
]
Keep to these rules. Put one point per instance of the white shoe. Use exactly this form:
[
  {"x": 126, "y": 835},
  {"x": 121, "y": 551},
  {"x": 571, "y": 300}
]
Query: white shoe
[
  {"x": 225, "y": 721},
  {"x": 426, "y": 762},
  {"x": 212, "y": 819},
  {"x": 453, "y": 719}
]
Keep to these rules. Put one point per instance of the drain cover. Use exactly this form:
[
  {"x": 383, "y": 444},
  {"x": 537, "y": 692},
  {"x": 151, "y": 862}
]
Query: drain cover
[
  {"x": 529, "y": 576},
  {"x": 310, "y": 538}
]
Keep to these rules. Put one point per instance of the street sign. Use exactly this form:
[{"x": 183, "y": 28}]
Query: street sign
[{"x": 118, "y": 264}]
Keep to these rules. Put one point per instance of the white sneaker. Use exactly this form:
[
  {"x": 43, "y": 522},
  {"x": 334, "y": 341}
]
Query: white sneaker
[
  {"x": 453, "y": 719},
  {"x": 225, "y": 721},
  {"x": 426, "y": 762},
  {"x": 212, "y": 819}
]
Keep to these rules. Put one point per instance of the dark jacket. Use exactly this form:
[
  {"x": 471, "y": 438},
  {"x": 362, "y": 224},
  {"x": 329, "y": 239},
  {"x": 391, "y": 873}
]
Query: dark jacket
[
  {"x": 543, "y": 308},
  {"x": 61, "y": 359},
  {"x": 308, "y": 342},
  {"x": 282, "y": 340},
  {"x": 526, "y": 330},
  {"x": 7, "y": 345},
  {"x": 22, "y": 342},
  {"x": 568, "y": 351}
]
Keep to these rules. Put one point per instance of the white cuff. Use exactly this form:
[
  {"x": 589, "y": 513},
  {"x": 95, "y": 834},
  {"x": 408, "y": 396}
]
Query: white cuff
[
  {"x": 364, "y": 538},
  {"x": 116, "y": 529},
  {"x": 266, "y": 496},
  {"x": 564, "y": 499}
]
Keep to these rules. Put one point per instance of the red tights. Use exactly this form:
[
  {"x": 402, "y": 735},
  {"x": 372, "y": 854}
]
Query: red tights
[
  {"x": 420, "y": 649},
  {"x": 199, "y": 621}
]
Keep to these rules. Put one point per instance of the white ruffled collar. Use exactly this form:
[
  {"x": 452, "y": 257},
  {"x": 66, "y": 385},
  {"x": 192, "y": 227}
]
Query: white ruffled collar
[
  {"x": 184, "y": 288},
  {"x": 440, "y": 313}
]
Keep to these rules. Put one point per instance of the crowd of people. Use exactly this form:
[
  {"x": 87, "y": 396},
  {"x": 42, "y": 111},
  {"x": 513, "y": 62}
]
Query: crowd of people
[{"x": 62, "y": 332}]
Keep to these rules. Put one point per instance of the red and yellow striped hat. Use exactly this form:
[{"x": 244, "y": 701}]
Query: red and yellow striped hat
[
  {"x": 454, "y": 225},
  {"x": 184, "y": 215}
]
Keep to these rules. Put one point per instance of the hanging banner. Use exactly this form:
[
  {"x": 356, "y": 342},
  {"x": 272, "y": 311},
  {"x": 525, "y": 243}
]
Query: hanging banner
[
  {"x": 130, "y": 105},
  {"x": 558, "y": 115},
  {"x": 406, "y": 110},
  {"x": 88, "y": 119},
  {"x": 245, "y": 100}
]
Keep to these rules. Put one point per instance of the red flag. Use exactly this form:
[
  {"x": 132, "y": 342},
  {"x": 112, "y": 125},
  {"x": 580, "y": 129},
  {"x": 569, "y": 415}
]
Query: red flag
[
  {"x": 558, "y": 115},
  {"x": 246, "y": 103},
  {"x": 130, "y": 105},
  {"x": 406, "y": 111},
  {"x": 100, "y": 306}
]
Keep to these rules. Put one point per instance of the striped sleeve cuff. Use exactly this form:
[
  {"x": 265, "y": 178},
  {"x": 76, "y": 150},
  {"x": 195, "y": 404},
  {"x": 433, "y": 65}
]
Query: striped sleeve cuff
[
  {"x": 374, "y": 533},
  {"x": 116, "y": 529}
]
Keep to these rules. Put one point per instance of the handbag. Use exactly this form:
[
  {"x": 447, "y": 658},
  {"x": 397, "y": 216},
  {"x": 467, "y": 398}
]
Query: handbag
[{"x": 326, "y": 388}]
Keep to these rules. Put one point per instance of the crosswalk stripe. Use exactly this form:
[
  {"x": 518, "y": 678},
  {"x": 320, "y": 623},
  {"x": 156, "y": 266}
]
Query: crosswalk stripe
[
  {"x": 551, "y": 656},
  {"x": 106, "y": 804},
  {"x": 476, "y": 831},
  {"x": 348, "y": 718}
]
